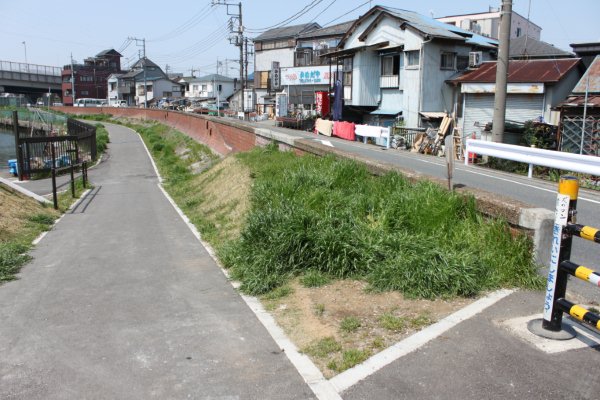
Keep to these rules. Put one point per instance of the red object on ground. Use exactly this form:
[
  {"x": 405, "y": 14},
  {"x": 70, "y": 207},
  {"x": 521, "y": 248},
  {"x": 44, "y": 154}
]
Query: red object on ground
[
  {"x": 322, "y": 103},
  {"x": 472, "y": 156},
  {"x": 345, "y": 130}
]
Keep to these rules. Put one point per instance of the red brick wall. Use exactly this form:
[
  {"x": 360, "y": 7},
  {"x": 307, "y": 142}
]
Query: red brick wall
[{"x": 222, "y": 136}]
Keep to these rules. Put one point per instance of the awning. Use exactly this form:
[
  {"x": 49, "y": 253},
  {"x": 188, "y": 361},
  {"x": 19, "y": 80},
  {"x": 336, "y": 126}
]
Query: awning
[
  {"x": 433, "y": 114},
  {"x": 386, "y": 111}
]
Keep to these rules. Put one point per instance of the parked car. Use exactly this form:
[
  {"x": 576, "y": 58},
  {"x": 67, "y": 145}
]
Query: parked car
[{"x": 120, "y": 103}]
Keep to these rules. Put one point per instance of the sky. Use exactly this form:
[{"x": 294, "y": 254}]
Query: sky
[{"x": 193, "y": 34}]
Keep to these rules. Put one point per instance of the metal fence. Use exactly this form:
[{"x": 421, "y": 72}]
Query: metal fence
[
  {"x": 573, "y": 128},
  {"x": 47, "y": 150},
  {"x": 11, "y": 66}
]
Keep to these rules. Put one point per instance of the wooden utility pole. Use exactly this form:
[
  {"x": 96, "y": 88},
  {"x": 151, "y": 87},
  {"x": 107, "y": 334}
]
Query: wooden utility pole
[{"x": 502, "y": 73}]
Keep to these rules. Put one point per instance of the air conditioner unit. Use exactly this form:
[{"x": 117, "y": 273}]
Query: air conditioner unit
[{"x": 475, "y": 59}]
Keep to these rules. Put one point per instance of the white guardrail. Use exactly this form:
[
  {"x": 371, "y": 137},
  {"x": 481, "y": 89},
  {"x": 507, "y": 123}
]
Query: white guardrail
[{"x": 532, "y": 156}]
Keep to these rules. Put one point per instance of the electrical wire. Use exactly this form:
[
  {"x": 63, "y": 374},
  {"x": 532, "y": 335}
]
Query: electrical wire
[
  {"x": 186, "y": 26},
  {"x": 343, "y": 15},
  {"x": 286, "y": 21},
  {"x": 321, "y": 13}
]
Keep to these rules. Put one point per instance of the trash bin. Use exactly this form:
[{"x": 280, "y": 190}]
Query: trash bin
[{"x": 12, "y": 167}]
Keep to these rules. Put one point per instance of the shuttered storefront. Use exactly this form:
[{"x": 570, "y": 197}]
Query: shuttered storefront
[{"x": 479, "y": 108}]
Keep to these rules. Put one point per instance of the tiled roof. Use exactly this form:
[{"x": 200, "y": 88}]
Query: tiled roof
[
  {"x": 333, "y": 30},
  {"x": 521, "y": 71},
  {"x": 432, "y": 27},
  {"x": 286, "y": 31},
  {"x": 524, "y": 46}
]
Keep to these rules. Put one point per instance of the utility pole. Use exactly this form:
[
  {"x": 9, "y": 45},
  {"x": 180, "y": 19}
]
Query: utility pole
[
  {"x": 502, "y": 73},
  {"x": 143, "y": 67},
  {"x": 72, "y": 81},
  {"x": 238, "y": 40}
]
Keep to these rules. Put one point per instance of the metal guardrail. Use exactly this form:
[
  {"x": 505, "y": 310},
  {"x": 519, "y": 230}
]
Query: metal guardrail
[
  {"x": 12, "y": 66},
  {"x": 532, "y": 156}
]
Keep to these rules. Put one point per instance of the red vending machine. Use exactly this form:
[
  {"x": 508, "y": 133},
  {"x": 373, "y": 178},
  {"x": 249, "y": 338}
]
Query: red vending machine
[{"x": 322, "y": 103}]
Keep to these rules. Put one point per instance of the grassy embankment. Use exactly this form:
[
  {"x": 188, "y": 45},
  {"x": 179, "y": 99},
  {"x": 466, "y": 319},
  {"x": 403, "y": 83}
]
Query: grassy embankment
[
  {"x": 324, "y": 218},
  {"x": 311, "y": 234}
]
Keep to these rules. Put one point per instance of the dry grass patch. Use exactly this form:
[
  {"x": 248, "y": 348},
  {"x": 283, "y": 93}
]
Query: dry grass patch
[
  {"x": 225, "y": 192},
  {"x": 342, "y": 323},
  {"x": 15, "y": 211}
]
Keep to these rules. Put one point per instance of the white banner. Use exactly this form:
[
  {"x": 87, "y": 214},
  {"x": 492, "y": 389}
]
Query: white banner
[{"x": 318, "y": 75}]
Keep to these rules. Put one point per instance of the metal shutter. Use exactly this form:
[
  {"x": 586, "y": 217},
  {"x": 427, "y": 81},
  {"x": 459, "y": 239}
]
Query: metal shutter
[
  {"x": 524, "y": 107},
  {"x": 479, "y": 109}
]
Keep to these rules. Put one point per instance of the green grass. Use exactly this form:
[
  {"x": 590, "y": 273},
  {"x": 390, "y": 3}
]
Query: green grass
[
  {"x": 319, "y": 309},
  {"x": 314, "y": 278},
  {"x": 323, "y": 347},
  {"x": 323, "y": 218},
  {"x": 327, "y": 216},
  {"x": 392, "y": 323},
  {"x": 398, "y": 324},
  {"x": 350, "y": 358},
  {"x": 102, "y": 138},
  {"x": 350, "y": 324},
  {"x": 13, "y": 255},
  {"x": 278, "y": 293}
]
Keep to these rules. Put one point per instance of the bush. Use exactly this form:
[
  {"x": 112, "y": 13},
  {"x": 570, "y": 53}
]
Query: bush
[{"x": 321, "y": 215}]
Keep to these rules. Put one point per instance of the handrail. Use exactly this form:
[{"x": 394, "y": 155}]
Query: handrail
[{"x": 532, "y": 156}]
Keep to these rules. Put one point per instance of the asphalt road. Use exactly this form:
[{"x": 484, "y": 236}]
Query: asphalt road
[{"x": 122, "y": 302}]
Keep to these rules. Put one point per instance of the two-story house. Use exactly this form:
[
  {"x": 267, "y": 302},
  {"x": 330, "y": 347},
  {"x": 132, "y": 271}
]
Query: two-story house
[
  {"x": 211, "y": 87},
  {"x": 274, "y": 49},
  {"x": 144, "y": 83},
  {"x": 393, "y": 63}
]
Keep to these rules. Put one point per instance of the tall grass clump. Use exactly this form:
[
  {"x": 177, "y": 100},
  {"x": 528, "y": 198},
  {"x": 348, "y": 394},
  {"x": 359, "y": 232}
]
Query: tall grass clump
[{"x": 333, "y": 217}]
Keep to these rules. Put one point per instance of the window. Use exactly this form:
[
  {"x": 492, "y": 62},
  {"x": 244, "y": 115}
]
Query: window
[
  {"x": 195, "y": 88},
  {"x": 204, "y": 88},
  {"x": 113, "y": 86},
  {"x": 261, "y": 79},
  {"x": 219, "y": 88},
  {"x": 175, "y": 88},
  {"x": 462, "y": 63},
  {"x": 303, "y": 58},
  {"x": 519, "y": 32},
  {"x": 447, "y": 61},
  {"x": 390, "y": 65},
  {"x": 412, "y": 59},
  {"x": 347, "y": 71}
]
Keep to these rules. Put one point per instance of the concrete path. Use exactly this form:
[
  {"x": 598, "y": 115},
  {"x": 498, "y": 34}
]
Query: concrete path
[{"x": 122, "y": 302}]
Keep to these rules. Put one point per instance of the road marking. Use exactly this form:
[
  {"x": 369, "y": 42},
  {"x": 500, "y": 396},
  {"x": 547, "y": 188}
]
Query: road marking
[
  {"x": 526, "y": 185},
  {"x": 352, "y": 376},
  {"x": 469, "y": 170}
]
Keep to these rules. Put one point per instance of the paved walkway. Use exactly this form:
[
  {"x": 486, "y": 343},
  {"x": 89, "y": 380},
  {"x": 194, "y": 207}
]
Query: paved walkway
[{"x": 122, "y": 302}]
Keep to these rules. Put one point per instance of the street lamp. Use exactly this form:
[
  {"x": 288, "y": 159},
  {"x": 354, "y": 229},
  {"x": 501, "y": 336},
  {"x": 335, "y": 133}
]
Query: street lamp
[{"x": 25, "y": 47}]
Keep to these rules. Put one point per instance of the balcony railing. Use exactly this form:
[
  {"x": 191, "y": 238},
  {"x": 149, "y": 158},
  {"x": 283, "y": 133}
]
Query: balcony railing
[{"x": 389, "y": 81}]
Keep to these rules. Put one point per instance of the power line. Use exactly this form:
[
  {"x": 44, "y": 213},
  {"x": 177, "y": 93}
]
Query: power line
[
  {"x": 286, "y": 21},
  {"x": 343, "y": 15},
  {"x": 198, "y": 17},
  {"x": 321, "y": 13}
]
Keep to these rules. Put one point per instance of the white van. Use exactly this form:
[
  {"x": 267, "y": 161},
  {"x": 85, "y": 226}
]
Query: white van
[{"x": 90, "y": 103}]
